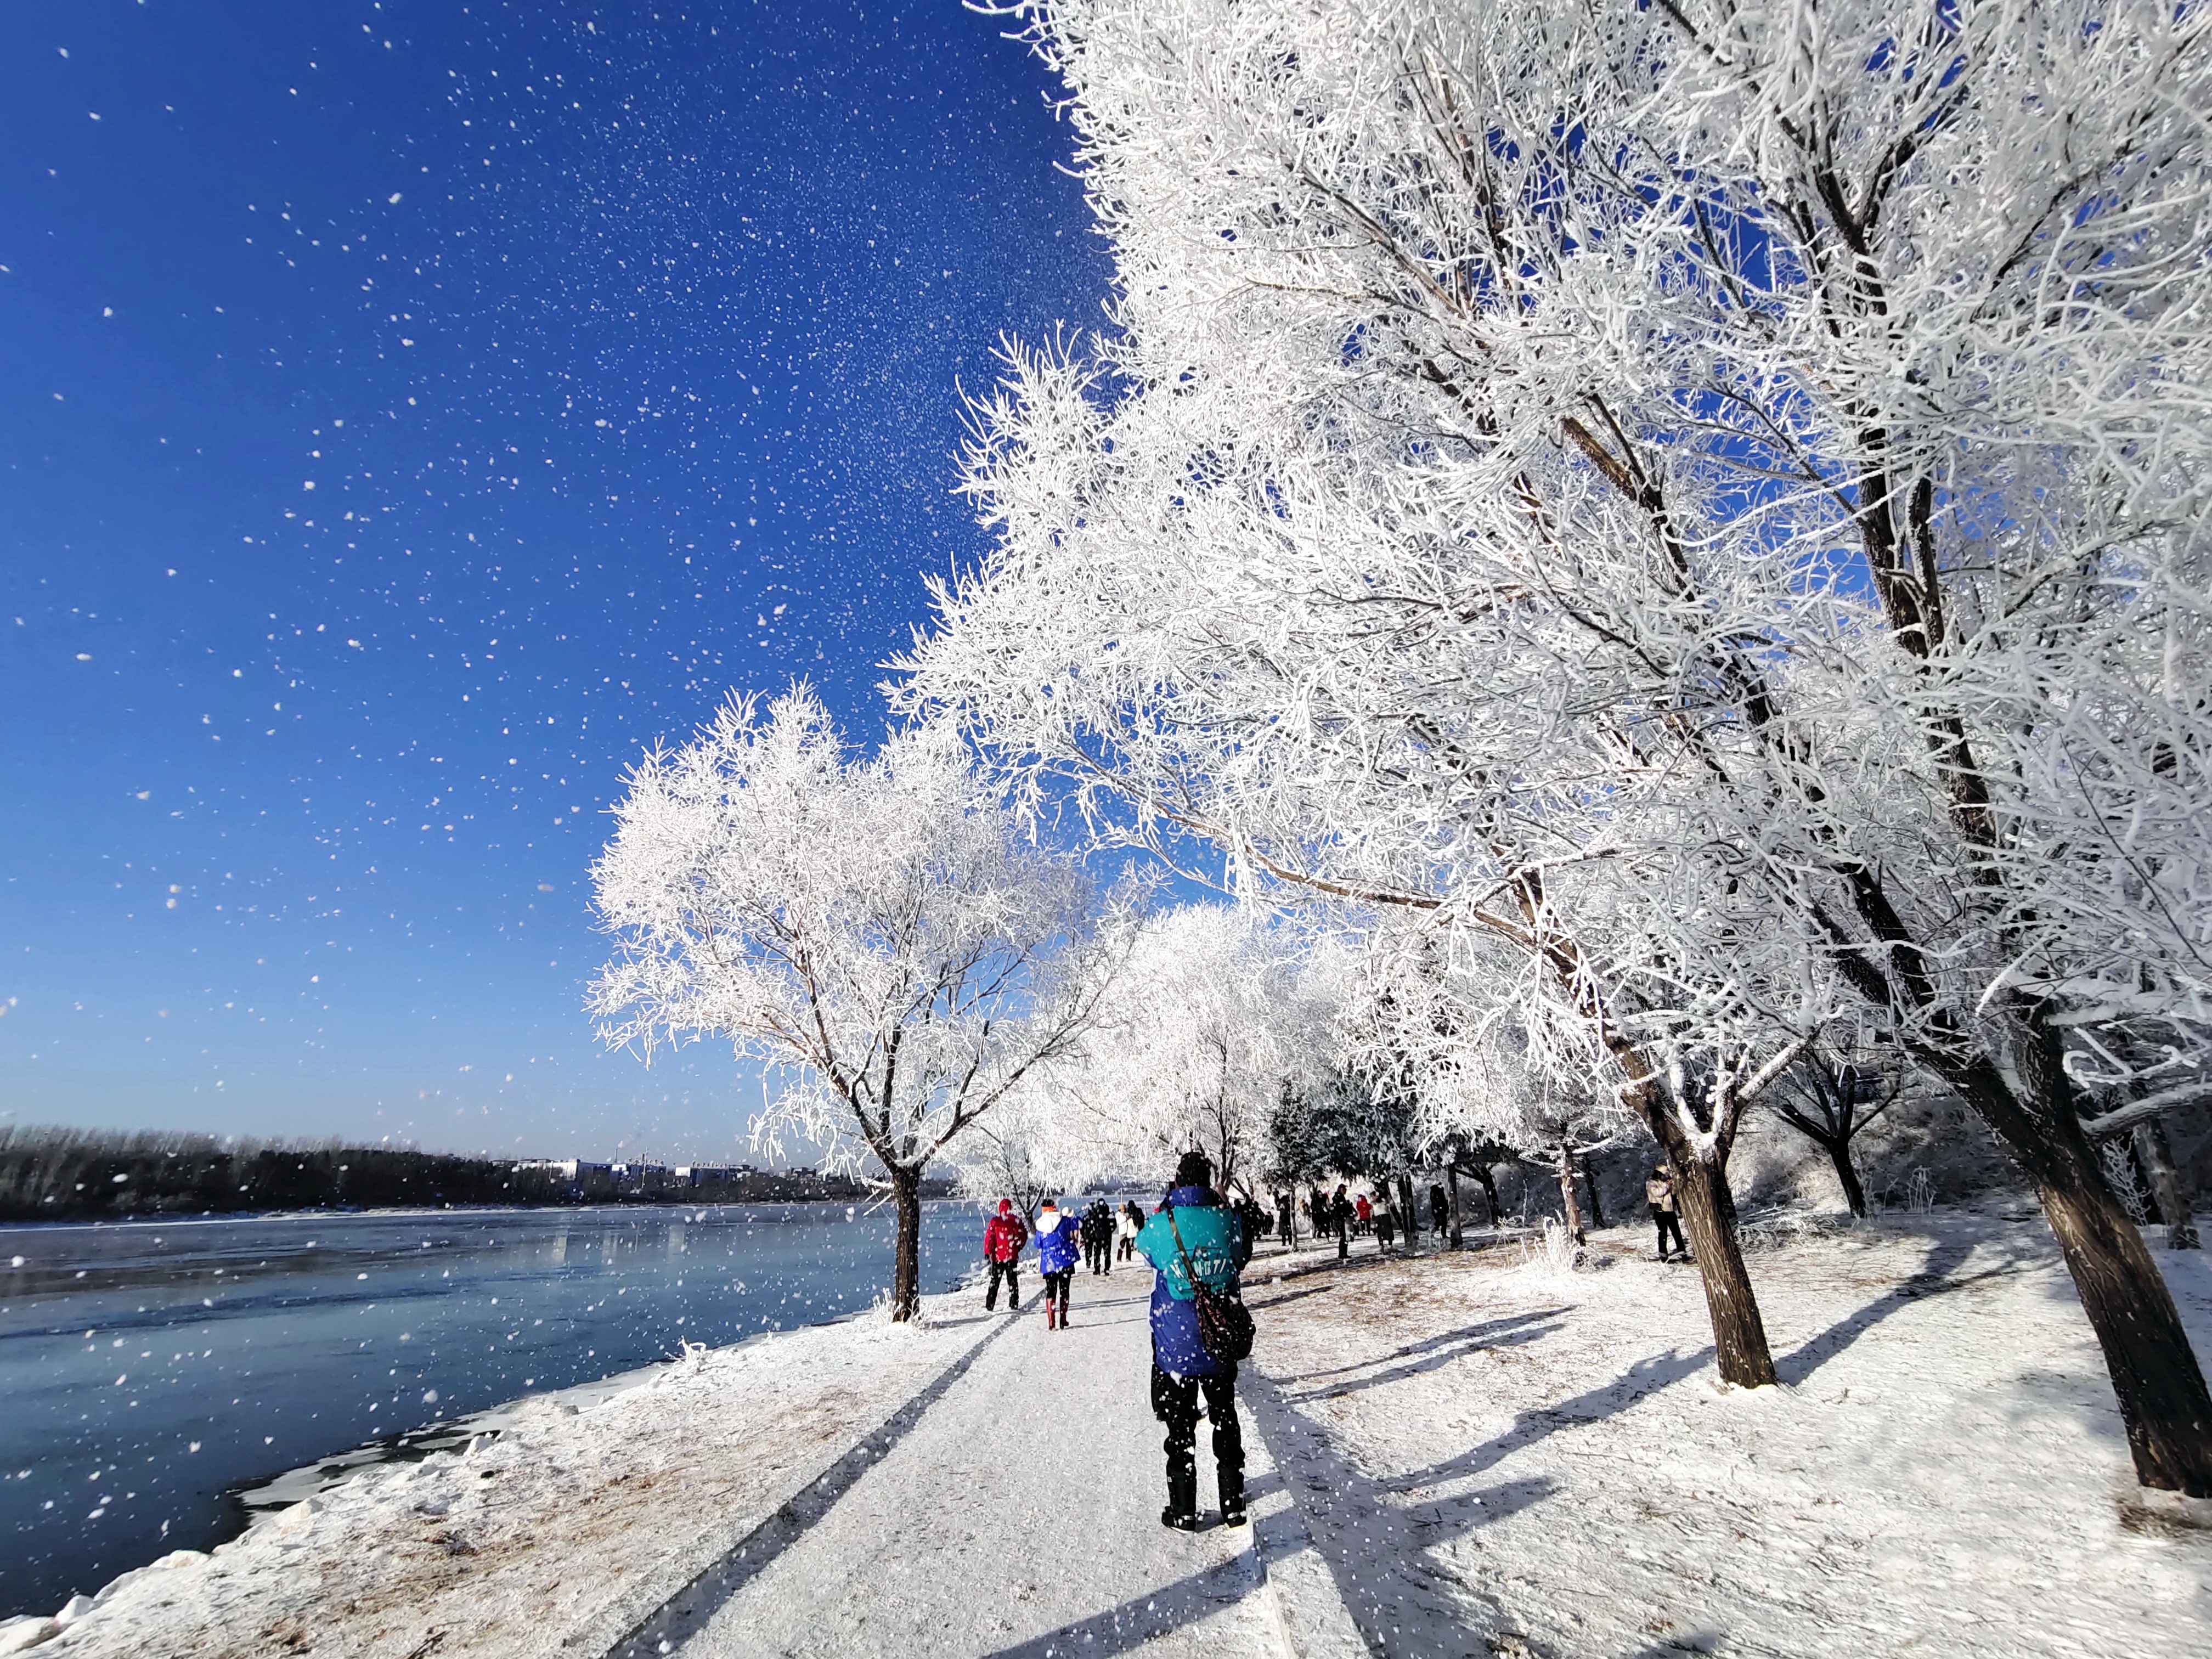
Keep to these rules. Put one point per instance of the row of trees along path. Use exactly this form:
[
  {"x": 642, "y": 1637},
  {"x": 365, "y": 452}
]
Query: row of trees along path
[{"x": 1701, "y": 515}]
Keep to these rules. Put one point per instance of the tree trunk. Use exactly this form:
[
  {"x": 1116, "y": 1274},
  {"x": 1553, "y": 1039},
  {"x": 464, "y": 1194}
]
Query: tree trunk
[
  {"x": 1489, "y": 1190},
  {"x": 1739, "y": 1334},
  {"x": 1839, "y": 1154},
  {"x": 1597, "y": 1204},
  {"x": 2155, "y": 1154},
  {"x": 1567, "y": 1192},
  {"x": 1451, "y": 1182},
  {"x": 2155, "y": 1371},
  {"x": 906, "y": 1273},
  {"x": 1708, "y": 1214}
]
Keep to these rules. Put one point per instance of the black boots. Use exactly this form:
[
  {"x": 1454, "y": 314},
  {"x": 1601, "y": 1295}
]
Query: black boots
[{"x": 1232, "y": 1499}]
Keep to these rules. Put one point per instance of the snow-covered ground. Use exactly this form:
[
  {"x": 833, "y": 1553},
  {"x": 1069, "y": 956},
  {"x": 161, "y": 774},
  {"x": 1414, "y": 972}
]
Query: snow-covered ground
[
  {"x": 1486, "y": 1459},
  {"x": 1020, "y": 1518},
  {"x": 559, "y": 1534},
  {"x": 1495, "y": 1459}
]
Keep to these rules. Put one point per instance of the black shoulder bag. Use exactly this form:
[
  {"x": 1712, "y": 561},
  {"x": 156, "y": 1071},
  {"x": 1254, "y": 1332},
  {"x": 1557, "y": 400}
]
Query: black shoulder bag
[{"x": 1224, "y": 1323}]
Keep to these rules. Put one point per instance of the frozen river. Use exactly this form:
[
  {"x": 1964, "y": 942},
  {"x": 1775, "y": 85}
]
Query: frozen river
[{"x": 149, "y": 1369}]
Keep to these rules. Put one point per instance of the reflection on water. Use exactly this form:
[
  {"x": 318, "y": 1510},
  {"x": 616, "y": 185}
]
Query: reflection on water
[{"x": 149, "y": 1369}]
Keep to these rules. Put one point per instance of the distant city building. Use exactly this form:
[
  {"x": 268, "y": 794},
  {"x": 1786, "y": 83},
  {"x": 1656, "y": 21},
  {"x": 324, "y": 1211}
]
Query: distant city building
[
  {"x": 704, "y": 1175},
  {"x": 581, "y": 1173}
]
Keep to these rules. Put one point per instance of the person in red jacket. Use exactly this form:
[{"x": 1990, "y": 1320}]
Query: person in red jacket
[{"x": 1003, "y": 1239}]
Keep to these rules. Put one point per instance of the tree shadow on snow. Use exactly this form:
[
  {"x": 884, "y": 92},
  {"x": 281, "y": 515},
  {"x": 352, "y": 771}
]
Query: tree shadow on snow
[
  {"x": 1379, "y": 1537},
  {"x": 1144, "y": 1618},
  {"x": 1319, "y": 1263},
  {"x": 1289, "y": 1296},
  {"x": 668, "y": 1626},
  {"x": 1934, "y": 1278},
  {"x": 1508, "y": 1331}
]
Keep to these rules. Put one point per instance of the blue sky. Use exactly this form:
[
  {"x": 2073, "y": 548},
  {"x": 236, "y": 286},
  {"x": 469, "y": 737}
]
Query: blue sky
[{"x": 407, "y": 412}]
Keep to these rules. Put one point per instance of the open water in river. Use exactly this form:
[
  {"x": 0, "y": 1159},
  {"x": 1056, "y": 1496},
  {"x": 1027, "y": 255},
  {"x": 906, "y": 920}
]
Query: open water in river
[{"x": 149, "y": 1369}]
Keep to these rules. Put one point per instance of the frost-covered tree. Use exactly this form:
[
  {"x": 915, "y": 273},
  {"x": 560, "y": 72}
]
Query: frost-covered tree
[
  {"x": 1443, "y": 1037},
  {"x": 1007, "y": 1159},
  {"x": 871, "y": 923},
  {"x": 1712, "y": 500},
  {"x": 1213, "y": 1013}
]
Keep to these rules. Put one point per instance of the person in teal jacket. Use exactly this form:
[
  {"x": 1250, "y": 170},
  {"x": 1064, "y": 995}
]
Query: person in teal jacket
[{"x": 1212, "y": 1236}]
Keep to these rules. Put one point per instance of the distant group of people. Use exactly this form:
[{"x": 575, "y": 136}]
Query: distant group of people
[
  {"x": 1108, "y": 1232},
  {"x": 1060, "y": 1241},
  {"x": 1197, "y": 1244},
  {"x": 1348, "y": 1215}
]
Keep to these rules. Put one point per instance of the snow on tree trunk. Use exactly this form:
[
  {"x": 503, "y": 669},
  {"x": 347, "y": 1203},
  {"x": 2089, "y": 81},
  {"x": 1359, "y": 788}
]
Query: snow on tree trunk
[
  {"x": 2155, "y": 1154},
  {"x": 1739, "y": 1347}
]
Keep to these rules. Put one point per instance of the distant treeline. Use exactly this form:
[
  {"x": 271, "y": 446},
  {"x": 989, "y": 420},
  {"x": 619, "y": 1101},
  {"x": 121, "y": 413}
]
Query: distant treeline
[{"x": 50, "y": 1174}]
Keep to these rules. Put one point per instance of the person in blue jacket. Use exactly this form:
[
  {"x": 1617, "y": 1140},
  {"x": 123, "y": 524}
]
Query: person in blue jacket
[
  {"x": 1213, "y": 1237},
  {"x": 1060, "y": 1247}
]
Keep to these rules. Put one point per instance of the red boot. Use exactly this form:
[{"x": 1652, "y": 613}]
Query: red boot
[{"x": 1051, "y": 1315}]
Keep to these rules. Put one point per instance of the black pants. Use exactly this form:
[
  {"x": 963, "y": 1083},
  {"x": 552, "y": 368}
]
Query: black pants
[
  {"x": 1003, "y": 1270},
  {"x": 1175, "y": 1402},
  {"x": 1055, "y": 1285},
  {"x": 1667, "y": 1222},
  {"x": 1128, "y": 1247},
  {"x": 1343, "y": 1237}
]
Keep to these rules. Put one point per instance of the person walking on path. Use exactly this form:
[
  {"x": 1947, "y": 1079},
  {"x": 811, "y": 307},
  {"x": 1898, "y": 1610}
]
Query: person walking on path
[
  {"x": 1439, "y": 1212},
  {"x": 1386, "y": 1226},
  {"x": 1659, "y": 1193},
  {"x": 1193, "y": 1232},
  {"x": 1100, "y": 1219},
  {"x": 1003, "y": 1238},
  {"x": 1339, "y": 1218},
  {"x": 1287, "y": 1215},
  {"x": 1132, "y": 1220},
  {"x": 1251, "y": 1218},
  {"x": 1060, "y": 1247}
]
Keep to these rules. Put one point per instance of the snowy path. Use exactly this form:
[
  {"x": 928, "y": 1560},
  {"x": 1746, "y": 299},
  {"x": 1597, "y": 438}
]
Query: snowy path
[
  {"x": 1489, "y": 1459},
  {"x": 1017, "y": 1514}
]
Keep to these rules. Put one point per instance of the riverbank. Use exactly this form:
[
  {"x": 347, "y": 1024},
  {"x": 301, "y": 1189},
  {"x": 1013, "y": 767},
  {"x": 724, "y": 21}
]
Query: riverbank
[
  {"x": 570, "y": 1523},
  {"x": 150, "y": 1371},
  {"x": 1460, "y": 1454}
]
